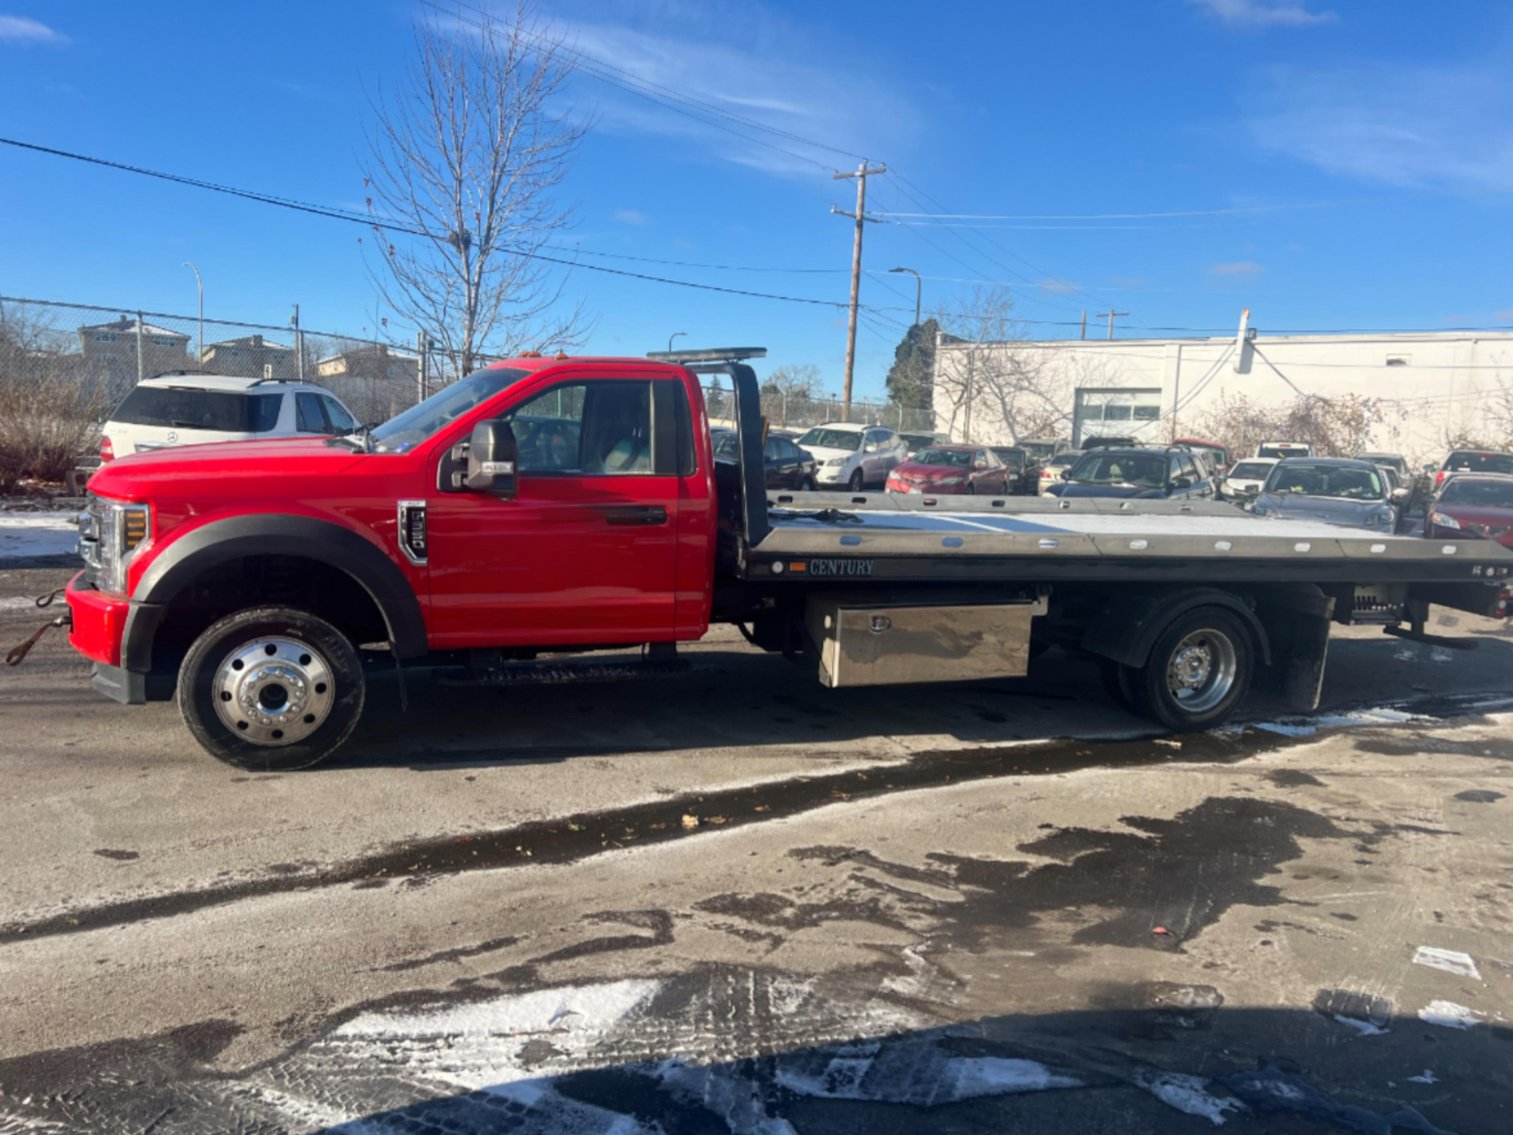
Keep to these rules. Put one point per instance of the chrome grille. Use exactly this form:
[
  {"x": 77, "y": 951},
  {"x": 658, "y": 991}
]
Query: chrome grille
[{"x": 90, "y": 530}]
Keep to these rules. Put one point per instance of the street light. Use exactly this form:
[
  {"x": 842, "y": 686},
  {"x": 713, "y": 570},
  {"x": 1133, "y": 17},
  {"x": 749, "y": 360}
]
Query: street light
[
  {"x": 918, "y": 289},
  {"x": 673, "y": 336},
  {"x": 200, "y": 285}
]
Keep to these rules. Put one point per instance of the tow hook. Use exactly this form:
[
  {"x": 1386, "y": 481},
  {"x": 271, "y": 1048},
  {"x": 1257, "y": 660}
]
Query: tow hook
[{"x": 19, "y": 652}]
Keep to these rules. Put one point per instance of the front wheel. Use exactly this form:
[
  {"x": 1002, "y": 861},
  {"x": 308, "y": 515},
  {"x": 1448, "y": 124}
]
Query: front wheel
[
  {"x": 856, "y": 482},
  {"x": 807, "y": 485},
  {"x": 271, "y": 689},
  {"x": 1198, "y": 671}
]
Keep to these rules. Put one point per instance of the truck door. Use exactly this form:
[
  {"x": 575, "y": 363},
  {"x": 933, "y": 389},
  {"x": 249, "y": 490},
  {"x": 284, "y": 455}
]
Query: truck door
[{"x": 585, "y": 551}]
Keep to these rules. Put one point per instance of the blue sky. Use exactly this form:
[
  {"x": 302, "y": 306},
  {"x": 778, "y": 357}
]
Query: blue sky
[{"x": 1334, "y": 163}]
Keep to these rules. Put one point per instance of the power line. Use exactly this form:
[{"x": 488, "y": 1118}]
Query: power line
[{"x": 397, "y": 227}]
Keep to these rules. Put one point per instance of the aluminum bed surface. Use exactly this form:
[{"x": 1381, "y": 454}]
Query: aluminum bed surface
[{"x": 1091, "y": 538}]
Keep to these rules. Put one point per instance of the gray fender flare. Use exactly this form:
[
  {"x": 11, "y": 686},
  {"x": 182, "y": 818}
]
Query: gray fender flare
[{"x": 242, "y": 537}]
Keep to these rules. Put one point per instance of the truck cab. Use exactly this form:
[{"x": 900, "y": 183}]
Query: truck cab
[{"x": 253, "y": 573}]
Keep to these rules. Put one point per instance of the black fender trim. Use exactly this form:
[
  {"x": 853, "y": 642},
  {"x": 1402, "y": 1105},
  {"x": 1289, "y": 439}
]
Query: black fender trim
[
  {"x": 1128, "y": 634},
  {"x": 242, "y": 537}
]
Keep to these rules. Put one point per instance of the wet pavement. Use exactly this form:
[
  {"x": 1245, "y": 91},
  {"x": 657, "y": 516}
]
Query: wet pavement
[{"x": 768, "y": 909}]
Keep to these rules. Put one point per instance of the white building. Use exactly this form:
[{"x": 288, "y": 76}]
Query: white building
[{"x": 1425, "y": 391}]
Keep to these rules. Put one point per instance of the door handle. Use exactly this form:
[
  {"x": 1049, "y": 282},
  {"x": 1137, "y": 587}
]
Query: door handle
[{"x": 635, "y": 514}]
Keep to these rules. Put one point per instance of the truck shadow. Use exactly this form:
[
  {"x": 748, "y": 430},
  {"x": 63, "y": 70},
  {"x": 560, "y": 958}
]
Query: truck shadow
[{"x": 738, "y": 698}]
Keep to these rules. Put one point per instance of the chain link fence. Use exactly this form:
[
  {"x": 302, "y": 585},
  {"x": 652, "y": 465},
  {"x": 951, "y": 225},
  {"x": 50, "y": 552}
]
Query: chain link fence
[{"x": 798, "y": 411}]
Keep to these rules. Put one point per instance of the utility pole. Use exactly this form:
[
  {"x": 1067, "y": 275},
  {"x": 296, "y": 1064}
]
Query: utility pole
[
  {"x": 299, "y": 345},
  {"x": 1084, "y": 324},
  {"x": 1111, "y": 313},
  {"x": 200, "y": 287},
  {"x": 860, "y": 216}
]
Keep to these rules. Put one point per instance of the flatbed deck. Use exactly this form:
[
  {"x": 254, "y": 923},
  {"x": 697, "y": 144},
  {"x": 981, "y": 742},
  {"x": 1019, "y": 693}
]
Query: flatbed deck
[{"x": 896, "y": 536}]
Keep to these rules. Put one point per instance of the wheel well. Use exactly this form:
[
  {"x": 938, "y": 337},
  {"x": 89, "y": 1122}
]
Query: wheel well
[{"x": 289, "y": 581}]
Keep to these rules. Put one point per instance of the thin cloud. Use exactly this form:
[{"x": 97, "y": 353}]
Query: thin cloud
[
  {"x": 1505, "y": 316},
  {"x": 1258, "y": 15},
  {"x": 1398, "y": 124},
  {"x": 1237, "y": 269},
  {"x": 630, "y": 217},
  {"x": 739, "y": 76},
  {"x": 28, "y": 32}
]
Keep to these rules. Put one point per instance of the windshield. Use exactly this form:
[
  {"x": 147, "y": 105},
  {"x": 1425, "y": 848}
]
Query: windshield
[
  {"x": 1147, "y": 469},
  {"x": 1251, "y": 471},
  {"x": 184, "y": 408},
  {"x": 1282, "y": 449},
  {"x": 1479, "y": 494},
  {"x": 915, "y": 441},
  {"x": 1480, "y": 463},
  {"x": 959, "y": 458},
  {"x": 415, "y": 425},
  {"x": 1347, "y": 482},
  {"x": 726, "y": 444},
  {"x": 832, "y": 439},
  {"x": 1010, "y": 456}
]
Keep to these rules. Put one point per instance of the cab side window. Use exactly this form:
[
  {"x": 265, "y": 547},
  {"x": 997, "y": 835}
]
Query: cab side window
[
  {"x": 308, "y": 417},
  {"x": 585, "y": 428}
]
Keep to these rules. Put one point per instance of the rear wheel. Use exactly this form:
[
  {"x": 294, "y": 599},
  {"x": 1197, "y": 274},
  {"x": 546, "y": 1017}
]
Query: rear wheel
[
  {"x": 1198, "y": 671},
  {"x": 271, "y": 688}
]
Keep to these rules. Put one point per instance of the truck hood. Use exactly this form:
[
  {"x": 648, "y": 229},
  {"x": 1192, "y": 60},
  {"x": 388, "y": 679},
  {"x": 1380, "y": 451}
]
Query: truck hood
[
  {"x": 1331, "y": 510},
  {"x": 191, "y": 470},
  {"x": 823, "y": 453},
  {"x": 1079, "y": 489}
]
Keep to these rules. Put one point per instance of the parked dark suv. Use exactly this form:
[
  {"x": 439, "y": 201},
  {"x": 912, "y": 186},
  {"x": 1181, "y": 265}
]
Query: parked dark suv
[{"x": 1134, "y": 472}]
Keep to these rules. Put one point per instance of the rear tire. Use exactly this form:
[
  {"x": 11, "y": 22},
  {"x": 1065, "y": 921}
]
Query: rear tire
[
  {"x": 271, "y": 689},
  {"x": 1198, "y": 671}
]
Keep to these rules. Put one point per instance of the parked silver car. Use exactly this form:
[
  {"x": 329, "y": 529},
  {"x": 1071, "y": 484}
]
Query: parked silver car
[{"x": 1336, "y": 490}]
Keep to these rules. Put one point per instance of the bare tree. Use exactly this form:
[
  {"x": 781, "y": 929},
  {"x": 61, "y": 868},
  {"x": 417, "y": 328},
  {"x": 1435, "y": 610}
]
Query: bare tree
[
  {"x": 466, "y": 159},
  {"x": 1341, "y": 426},
  {"x": 789, "y": 390},
  {"x": 988, "y": 385},
  {"x": 50, "y": 407}
]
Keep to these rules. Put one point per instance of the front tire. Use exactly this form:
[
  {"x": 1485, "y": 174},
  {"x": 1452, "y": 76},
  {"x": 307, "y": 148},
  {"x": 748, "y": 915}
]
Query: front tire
[
  {"x": 271, "y": 689},
  {"x": 1198, "y": 671},
  {"x": 856, "y": 483}
]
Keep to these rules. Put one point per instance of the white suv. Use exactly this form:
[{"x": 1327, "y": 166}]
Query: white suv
[
  {"x": 188, "y": 409},
  {"x": 853, "y": 456}
]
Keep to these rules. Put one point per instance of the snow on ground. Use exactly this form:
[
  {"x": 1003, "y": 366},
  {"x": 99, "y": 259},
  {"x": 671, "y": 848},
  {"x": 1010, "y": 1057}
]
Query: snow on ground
[{"x": 25, "y": 535}]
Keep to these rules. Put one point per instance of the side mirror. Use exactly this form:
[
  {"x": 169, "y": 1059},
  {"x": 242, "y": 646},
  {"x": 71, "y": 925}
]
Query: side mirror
[
  {"x": 1399, "y": 496},
  {"x": 1182, "y": 483},
  {"x": 1066, "y": 474},
  {"x": 491, "y": 459}
]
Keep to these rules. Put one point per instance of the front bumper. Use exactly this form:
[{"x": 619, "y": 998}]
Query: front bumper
[{"x": 99, "y": 622}]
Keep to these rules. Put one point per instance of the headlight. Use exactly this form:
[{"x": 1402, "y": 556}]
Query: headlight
[
  {"x": 1258, "y": 509},
  {"x": 835, "y": 461},
  {"x": 113, "y": 533},
  {"x": 1440, "y": 520},
  {"x": 1385, "y": 519}
]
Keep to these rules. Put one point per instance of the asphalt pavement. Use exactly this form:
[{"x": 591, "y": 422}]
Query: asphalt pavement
[{"x": 733, "y": 901}]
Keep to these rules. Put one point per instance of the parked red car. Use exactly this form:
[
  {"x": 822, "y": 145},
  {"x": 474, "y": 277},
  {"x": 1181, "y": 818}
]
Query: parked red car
[
  {"x": 1473, "y": 506},
  {"x": 947, "y": 469}
]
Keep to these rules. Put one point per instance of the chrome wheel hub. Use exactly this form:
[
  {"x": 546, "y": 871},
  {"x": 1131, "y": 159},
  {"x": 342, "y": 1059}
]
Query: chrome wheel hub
[
  {"x": 1202, "y": 670},
  {"x": 273, "y": 691}
]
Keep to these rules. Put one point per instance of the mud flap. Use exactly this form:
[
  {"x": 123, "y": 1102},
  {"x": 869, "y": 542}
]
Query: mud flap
[{"x": 1297, "y": 622}]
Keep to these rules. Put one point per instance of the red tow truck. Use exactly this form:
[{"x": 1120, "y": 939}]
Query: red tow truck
[{"x": 546, "y": 506}]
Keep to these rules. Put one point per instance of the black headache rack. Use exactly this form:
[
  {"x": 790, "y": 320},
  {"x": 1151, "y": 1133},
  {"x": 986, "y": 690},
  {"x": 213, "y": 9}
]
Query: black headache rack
[{"x": 748, "y": 407}]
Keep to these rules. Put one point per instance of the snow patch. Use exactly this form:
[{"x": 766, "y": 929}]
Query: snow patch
[
  {"x": 1365, "y": 1028},
  {"x": 1449, "y": 1015},
  {"x": 920, "y": 1073},
  {"x": 1190, "y": 1095},
  {"x": 1451, "y": 961},
  {"x": 24, "y": 535},
  {"x": 1428, "y": 1077}
]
